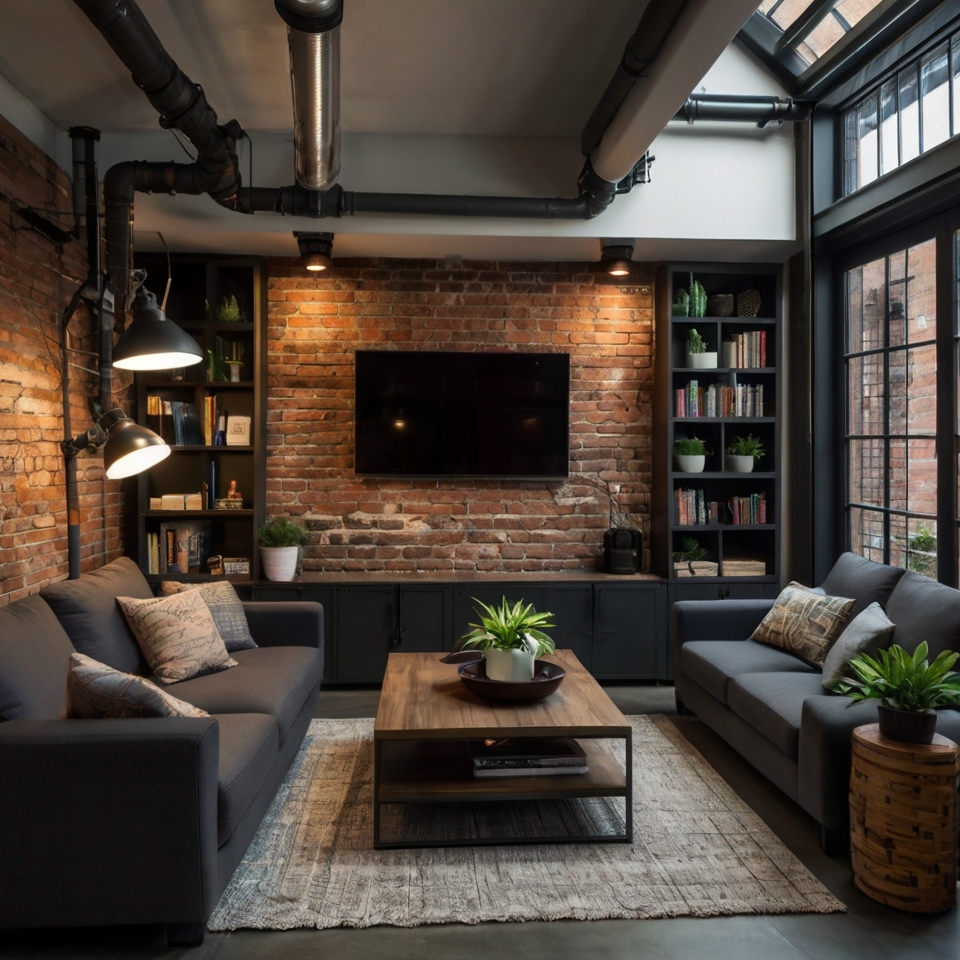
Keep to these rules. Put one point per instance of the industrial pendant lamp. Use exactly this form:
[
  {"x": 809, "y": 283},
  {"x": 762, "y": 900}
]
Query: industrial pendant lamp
[
  {"x": 152, "y": 342},
  {"x": 316, "y": 249},
  {"x": 130, "y": 448},
  {"x": 616, "y": 257}
]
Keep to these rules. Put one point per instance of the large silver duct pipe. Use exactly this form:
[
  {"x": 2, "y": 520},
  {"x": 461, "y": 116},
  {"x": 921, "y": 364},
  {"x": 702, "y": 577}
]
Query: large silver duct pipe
[{"x": 313, "y": 33}]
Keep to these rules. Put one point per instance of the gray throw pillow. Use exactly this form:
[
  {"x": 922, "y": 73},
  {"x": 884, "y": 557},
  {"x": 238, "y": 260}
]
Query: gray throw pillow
[
  {"x": 867, "y": 632},
  {"x": 226, "y": 607}
]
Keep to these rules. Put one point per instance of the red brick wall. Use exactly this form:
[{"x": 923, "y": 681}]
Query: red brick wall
[
  {"x": 316, "y": 323},
  {"x": 36, "y": 283}
]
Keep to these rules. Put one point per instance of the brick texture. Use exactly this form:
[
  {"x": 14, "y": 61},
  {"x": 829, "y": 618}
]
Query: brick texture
[
  {"x": 36, "y": 283},
  {"x": 316, "y": 323}
]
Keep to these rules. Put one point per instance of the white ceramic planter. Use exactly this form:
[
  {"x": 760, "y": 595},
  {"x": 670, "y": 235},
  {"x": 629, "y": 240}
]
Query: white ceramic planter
[
  {"x": 702, "y": 361},
  {"x": 690, "y": 464},
  {"x": 737, "y": 464},
  {"x": 279, "y": 563},
  {"x": 509, "y": 664}
]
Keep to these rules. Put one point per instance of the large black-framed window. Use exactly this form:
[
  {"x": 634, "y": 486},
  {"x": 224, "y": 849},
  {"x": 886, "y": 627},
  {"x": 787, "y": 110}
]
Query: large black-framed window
[{"x": 900, "y": 398}]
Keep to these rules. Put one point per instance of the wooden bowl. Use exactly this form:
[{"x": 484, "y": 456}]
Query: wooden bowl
[{"x": 547, "y": 677}]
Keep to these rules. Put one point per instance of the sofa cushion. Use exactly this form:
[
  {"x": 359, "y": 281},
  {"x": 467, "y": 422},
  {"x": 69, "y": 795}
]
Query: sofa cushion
[
  {"x": 772, "y": 703},
  {"x": 34, "y": 662},
  {"x": 249, "y": 744},
  {"x": 177, "y": 635},
  {"x": 869, "y": 582},
  {"x": 272, "y": 680},
  {"x": 98, "y": 691},
  {"x": 865, "y": 633},
  {"x": 225, "y": 606},
  {"x": 88, "y": 611},
  {"x": 804, "y": 623},
  {"x": 923, "y": 609},
  {"x": 711, "y": 663}
]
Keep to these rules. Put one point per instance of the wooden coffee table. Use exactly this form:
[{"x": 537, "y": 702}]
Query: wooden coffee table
[{"x": 426, "y": 715}]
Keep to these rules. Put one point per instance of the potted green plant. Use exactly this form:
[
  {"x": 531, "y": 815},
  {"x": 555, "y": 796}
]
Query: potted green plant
[
  {"x": 681, "y": 303},
  {"x": 229, "y": 311},
  {"x": 698, "y": 356},
  {"x": 742, "y": 454},
  {"x": 510, "y": 638},
  {"x": 689, "y": 560},
  {"x": 698, "y": 299},
  {"x": 909, "y": 689},
  {"x": 280, "y": 540},
  {"x": 690, "y": 455}
]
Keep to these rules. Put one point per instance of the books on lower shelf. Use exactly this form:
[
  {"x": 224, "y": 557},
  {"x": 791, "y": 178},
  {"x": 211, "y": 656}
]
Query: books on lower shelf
[
  {"x": 719, "y": 400},
  {"x": 693, "y": 509},
  {"x": 527, "y": 756},
  {"x": 178, "y": 548}
]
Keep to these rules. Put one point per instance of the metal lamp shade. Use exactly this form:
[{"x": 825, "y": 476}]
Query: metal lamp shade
[
  {"x": 131, "y": 449},
  {"x": 152, "y": 342}
]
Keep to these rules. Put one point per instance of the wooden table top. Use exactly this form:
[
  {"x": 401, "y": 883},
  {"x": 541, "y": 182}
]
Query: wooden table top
[{"x": 424, "y": 699}]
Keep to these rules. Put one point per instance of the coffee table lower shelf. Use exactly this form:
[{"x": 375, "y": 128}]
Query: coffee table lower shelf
[{"x": 441, "y": 771}]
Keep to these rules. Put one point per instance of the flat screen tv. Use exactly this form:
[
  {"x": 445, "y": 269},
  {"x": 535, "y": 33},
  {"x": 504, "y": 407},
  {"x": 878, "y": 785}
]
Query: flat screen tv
[{"x": 433, "y": 414}]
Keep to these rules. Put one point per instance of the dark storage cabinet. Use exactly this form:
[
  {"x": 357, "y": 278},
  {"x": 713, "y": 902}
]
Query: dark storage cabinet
[
  {"x": 365, "y": 628},
  {"x": 629, "y": 634},
  {"x": 426, "y": 619}
]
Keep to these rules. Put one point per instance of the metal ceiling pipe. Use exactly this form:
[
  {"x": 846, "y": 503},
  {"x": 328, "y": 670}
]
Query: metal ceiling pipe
[
  {"x": 745, "y": 109},
  {"x": 313, "y": 36}
]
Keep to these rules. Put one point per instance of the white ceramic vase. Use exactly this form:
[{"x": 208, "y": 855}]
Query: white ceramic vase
[
  {"x": 509, "y": 664},
  {"x": 279, "y": 563},
  {"x": 690, "y": 464},
  {"x": 702, "y": 361},
  {"x": 734, "y": 464}
]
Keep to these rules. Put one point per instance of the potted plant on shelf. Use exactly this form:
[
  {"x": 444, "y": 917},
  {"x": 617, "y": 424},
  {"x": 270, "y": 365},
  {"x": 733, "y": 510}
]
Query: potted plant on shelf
[
  {"x": 690, "y": 455},
  {"x": 689, "y": 560},
  {"x": 681, "y": 303},
  {"x": 510, "y": 638},
  {"x": 909, "y": 688},
  {"x": 280, "y": 540},
  {"x": 742, "y": 454},
  {"x": 698, "y": 357}
]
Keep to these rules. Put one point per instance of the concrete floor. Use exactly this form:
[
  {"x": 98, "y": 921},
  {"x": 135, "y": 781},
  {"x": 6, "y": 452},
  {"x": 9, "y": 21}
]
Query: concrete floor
[{"x": 867, "y": 931}]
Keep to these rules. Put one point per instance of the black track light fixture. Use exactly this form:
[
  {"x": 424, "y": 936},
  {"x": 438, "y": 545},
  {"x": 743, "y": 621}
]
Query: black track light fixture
[
  {"x": 316, "y": 249},
  {"x": 616, "y": 257}
]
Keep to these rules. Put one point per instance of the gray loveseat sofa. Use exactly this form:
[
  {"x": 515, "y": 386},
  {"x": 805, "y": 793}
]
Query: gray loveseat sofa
[
  {"x": 772, "y": 707},
  {"x": 139, "y": 821}
]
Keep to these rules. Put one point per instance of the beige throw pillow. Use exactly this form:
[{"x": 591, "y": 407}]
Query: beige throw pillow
[
  {"x": 177, "y": 635},
  {"x": 226, "y": 607},
  {"x": 804, "y": 623},
  {"x": 97, "y": 691}
]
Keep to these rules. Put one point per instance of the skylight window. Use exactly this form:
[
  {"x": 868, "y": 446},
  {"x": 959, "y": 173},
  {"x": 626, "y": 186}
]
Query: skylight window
[{"x": 812, "y": 27}]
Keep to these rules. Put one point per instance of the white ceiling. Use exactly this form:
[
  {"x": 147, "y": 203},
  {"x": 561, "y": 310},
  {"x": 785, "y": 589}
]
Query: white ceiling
[{"x": 478, "y": 96}]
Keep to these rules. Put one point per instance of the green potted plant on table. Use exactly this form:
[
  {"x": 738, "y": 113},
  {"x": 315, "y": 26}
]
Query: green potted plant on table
[
  {"x": 698, "y": 356},
  {"x": 690, "y": 455},
  {"x": 510, "y": 638},
  {"x": 909, "y": 689},
  {"x": 280, "y": 540},
  {"x": 742, "y": 454}
]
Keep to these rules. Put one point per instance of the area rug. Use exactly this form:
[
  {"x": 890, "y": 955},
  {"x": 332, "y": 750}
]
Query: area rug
[{"x": 698, "y": 850}]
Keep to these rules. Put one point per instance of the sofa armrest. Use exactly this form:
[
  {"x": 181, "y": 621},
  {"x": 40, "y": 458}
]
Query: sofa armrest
[
  {"x": 285, "y": 623},
  {"x": 717, "y": 619},
  {"x": 109, "y": 821},
  {"x": 826, "y": 727}
]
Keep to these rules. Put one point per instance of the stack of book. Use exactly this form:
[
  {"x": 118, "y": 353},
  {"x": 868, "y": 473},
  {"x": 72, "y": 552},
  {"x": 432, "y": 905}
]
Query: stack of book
[
  {"x": 527, "y": 757},
  {"x": 719, "y": 400},
  {"x": 694, "y": 509}
]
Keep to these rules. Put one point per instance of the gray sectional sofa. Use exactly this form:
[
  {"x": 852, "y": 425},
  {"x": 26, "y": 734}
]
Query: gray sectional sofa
[
  {"x": 139, "y": 821},
  {"x": 772, "y": 707}
]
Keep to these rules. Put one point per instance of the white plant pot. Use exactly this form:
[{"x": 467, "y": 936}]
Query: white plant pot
[
  {"x": 690, "y": 464},
  {"x": 279, "y": 563},
  {"x": 737, "y": 464},
  {"x": 702, "y": 361},
  {"x": 509, "y": 664}
]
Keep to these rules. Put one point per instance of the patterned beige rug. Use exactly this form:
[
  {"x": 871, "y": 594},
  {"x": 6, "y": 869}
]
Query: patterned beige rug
[{"x": 698, "y": 851}]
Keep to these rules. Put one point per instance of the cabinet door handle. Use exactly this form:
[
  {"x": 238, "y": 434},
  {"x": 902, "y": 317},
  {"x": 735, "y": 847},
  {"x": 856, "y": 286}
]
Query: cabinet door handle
[{"x": 398, "y": 637}]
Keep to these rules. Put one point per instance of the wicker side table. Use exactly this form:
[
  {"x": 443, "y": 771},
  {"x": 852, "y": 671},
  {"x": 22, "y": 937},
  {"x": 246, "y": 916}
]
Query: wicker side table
[{"x": 904, "y": 821}]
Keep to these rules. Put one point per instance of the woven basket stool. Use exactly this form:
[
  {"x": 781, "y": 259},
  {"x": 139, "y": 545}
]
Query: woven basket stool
[{"x": 904, "y": 820}]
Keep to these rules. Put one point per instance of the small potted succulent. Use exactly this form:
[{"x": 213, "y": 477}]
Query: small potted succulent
[
  {"x": 510, "y": 638},
  {"x": 908, "y": 687},
  {"x": 698, "y": 356},
  {"x": 742, "y": 454},
  {"x": 681, "y": 303},
  {"x": 280, "y": 541},
  {"x": 690, "y": 455},
  {"x": 698, "y": 299}
]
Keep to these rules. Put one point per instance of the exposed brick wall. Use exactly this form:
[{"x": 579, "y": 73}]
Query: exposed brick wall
[
  {"x": 36, "y": 283},
  {"x": 316, "y": 323}
]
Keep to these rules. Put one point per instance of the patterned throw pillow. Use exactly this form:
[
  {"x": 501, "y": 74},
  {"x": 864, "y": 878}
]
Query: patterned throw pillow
[
  {"x": 804, "y": 623},
  {"x": 177, "y": 635},
  {"x": 226, "y": 607},
  {"x": 96, "y": 691}
]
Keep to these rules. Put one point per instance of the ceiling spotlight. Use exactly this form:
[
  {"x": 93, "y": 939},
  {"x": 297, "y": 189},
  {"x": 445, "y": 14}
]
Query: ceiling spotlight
[
  {"x": 615, "y": 257},
  {"x": 316, "y": 249}
]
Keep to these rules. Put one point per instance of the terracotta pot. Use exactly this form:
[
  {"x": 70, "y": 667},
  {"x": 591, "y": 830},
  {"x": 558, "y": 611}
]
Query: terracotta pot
[{"x": 907, "y": 726}]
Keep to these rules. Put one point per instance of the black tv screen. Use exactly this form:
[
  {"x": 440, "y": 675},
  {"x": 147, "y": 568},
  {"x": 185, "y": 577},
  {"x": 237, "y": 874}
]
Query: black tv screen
[{"x": 432, "y": 414}]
